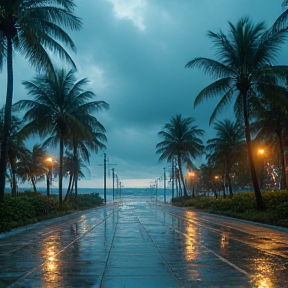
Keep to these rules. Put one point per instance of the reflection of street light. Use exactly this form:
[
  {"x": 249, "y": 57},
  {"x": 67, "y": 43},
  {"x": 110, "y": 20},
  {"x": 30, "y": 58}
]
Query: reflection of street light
[{"x": 49, "y": 164}]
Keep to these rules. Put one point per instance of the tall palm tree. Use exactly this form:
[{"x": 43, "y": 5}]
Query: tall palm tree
[
  {"x": 31, "y": 28},
  {"x": 180, "y": 141},
  {"x": 244, "y": 62},
  {"x": 60, "y": 107},
  {"x": 225, "y": 147}
]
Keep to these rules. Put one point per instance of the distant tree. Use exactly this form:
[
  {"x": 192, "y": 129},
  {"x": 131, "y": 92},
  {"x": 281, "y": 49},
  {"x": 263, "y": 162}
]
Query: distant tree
[
  {"x": 225, "y": 147},
  {"x": 31, "y": 28},
  {"x": 60, "y": 108},
  {"x": 81, "y": 147},
  {"x": 245, "y": 55},
  {"x": 74, "y": 168},
  {"x": 17, "y": 152},
  {"x": 181, "y": 142},
  {"x": 34, "y": 168}
]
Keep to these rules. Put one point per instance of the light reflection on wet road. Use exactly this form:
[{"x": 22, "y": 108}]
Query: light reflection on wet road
[{"x": 137, "y": 244}]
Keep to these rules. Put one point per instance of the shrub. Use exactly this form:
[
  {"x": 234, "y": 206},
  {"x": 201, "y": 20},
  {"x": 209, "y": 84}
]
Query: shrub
[
  {"x": 30, "y": 207},
  {"x": 243, "y": 205}
]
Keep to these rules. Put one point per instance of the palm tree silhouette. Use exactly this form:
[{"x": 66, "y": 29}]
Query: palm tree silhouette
[
  {"x": 180, "y": 142},
  {"x": 31, "y": 28},
  {"x": 243, "y": 67},
  {"x": 61, "y": 110}
]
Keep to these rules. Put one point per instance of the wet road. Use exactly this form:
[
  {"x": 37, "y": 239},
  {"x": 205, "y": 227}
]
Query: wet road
[{"x": 138, "y": 244}]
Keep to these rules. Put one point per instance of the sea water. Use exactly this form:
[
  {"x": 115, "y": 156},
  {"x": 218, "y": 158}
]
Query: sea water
[{"x": 146, "y": 194}]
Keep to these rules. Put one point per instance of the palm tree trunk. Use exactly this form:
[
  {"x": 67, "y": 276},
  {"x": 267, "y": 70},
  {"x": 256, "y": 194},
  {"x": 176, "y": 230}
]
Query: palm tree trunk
[
  {"x": 14, "y": 184},
  {"x": 76, "y": 185},
  {"x": 229, "y": 185},
  {"x": 7, "y": 119},
  {"x": 34, "y": 184},
  {"x": 176, "y": 183},
  {"x": 48, "y": 184},
  {"x": 283, "y": 170},
  {"x": 69, "y": 188},
  {"x": 61, "y": 168},
  {"x": 182, "y": 177},
  {"x": 257, "y": 192}
]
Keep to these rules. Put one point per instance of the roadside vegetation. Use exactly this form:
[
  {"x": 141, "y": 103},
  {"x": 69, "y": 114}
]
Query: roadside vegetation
[
  {"x": 243, "y": 206},
  {"x": 30, "y": 207}
]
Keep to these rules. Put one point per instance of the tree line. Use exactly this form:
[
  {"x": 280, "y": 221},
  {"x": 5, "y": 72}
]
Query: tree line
[
  {"x": 246, "y": 77},
  {"x": 61, "y": 111}
]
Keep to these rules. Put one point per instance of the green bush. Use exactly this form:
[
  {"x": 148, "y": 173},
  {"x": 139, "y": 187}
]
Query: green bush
[
  {"x": 30, "y": 207},
  {"x": 272, "y": 199},
  {"x": 243, "y": 205}
]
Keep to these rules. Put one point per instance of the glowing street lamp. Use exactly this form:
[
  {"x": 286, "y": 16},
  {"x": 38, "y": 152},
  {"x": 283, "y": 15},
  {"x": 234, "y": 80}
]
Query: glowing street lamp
[
  {"x": 49, "y": 164},
  {"x": 261, "y": 151}
]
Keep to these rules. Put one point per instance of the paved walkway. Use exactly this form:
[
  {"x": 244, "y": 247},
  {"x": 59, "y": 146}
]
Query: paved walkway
[{"x": 137, "y": 244}]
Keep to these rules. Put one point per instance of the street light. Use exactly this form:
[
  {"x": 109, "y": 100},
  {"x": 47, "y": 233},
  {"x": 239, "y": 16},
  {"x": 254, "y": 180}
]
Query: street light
[
  {"x": 191, "y": 176},
  {"x": 49, "y": 164},
  {"x": 164, "y": 184},
  {"x": 261, "y": 151}
]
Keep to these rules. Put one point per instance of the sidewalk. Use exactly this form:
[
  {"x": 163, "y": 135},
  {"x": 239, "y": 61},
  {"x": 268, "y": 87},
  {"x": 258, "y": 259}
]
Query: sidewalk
[{"x": 135, "y": 244}]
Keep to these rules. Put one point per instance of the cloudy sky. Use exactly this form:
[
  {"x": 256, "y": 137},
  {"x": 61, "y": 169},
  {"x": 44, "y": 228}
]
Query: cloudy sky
[{"x": 134, "y": 53}]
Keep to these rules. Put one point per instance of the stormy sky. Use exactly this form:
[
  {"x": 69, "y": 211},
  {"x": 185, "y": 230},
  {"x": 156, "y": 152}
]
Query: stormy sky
[{"x": 134, "y": 53}]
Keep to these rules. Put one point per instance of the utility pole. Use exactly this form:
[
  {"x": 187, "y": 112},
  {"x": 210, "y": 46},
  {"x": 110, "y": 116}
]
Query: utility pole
[
  {"x": 173, "y": 177},
  {"x": 113, "y": 176},
  {"x": 117, "y": 185},
  {"x": 105, "y": 175},
  {"x": 164, "y": 184},
  {"x": 105, "y": 160}
]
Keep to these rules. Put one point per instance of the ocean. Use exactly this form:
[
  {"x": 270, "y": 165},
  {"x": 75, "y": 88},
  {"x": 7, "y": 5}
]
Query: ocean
[{"x": 141, "y": 194}]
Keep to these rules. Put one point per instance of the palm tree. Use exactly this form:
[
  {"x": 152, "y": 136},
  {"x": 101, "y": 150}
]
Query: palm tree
[
  {"x": 34, "y": 168},
  {"x": 60, "y": 108},
  {"x": 225, "y": 148},
  {"x": 180, "y": 141},
  {"x": 244, "y": 67},
  {"x": 31, "y": 28},
  {"x": 74, "y": 169},
  {"x": 81, "y": 146},
  {"x": 17, "y": 152}
]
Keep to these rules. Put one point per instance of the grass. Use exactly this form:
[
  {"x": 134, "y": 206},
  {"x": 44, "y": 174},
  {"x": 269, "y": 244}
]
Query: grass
[{"x": 243, "y": 206}]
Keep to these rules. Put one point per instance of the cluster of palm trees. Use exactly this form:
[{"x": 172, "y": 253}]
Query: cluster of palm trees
[
  {"x": 61, "y": 111},
  {"x": 246, "y": 76},
  {"x": 181, "y": 143}
]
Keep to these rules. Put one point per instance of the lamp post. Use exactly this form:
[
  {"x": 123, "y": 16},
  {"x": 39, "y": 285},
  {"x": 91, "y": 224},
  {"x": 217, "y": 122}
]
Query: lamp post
[
  {"x": 216, "y": 181},
  {"x": 113, "y": 177},
  {"x": 164, "y": 184},
  {"x": 261, "y": 152},
  {"x": 105, "y": 160},
  {"x": 49, "y": 164},
  {"x": 191, "y": 175}
]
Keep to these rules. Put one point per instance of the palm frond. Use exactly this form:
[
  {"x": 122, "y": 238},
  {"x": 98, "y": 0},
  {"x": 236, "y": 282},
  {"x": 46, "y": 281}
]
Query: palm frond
[
  {"x": 211, "y": 67},
  {"x": 214, "y": 89}
]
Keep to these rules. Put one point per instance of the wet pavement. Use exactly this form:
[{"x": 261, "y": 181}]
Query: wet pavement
[{"x": 139, "y": 244}]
